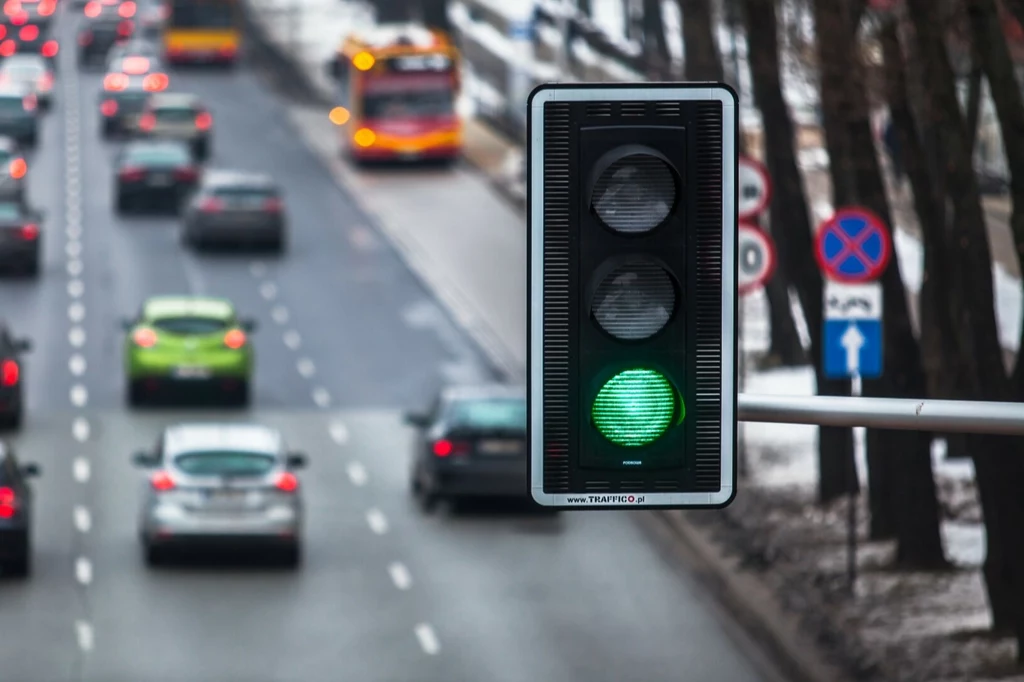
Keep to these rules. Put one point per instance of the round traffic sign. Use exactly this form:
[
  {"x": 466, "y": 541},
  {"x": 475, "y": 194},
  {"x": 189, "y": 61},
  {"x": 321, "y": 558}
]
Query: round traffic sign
[
  {"x": 756, "y": 255},
  {"x": 755, "y": 188},
  {"x": 882, "y": 5},
  {"x": 853, "y": 246}
]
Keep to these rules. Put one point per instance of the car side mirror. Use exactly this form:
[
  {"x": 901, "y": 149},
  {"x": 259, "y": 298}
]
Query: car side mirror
[
  {"x": 417, "y": 419},
  {"x": 23, "y": 345},
  {"x": 297, "y": 460},
  {"x": 249, "y": 325},
  {"x": 30, "y": 470},
  {"x": 144, "y": 459}
]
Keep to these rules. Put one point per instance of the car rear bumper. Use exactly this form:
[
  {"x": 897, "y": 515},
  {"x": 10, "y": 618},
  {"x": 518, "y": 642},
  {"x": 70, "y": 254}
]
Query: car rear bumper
[
  {"x": 12, "y": 541},
  {"x": 18, "y": 130},
  {"x": 259, "y": 231},
  {"x": 200, "y": 56},
  {"x": 481, "y": 482},
  {"x": 216, "y": 530},
  {"x": 10, "y": 400},
  {"x": 170, "y": 192},
  {"x": 439, "y": 153},
  {"x": 19, "y": 252}
]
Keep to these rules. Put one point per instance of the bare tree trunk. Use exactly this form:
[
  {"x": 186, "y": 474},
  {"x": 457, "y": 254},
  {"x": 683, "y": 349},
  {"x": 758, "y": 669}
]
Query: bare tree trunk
[
  {"x": 1016, "y": 8},
  {"x": 789, "y": 211},
  {"x": 434, "y": 14},
  {"x": 584, "y": 7},
  {"x": 701, "y": 59},
  {"x": 655, "y": 45}
]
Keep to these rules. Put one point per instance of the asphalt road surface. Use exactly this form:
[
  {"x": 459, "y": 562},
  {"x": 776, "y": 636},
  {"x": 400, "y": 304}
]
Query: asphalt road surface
[{"x": 348, "y": 339}]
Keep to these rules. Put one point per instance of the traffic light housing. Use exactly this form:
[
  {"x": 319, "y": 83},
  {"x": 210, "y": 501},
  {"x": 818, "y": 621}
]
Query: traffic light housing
[{"x": 632, "y": 295}]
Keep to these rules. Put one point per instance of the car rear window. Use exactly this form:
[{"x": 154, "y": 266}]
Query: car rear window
[
  {"x": 190, "y": 325},
  {"x": 10, "y": 103},
  {"x": 245, "y": 194},
  {"x": 220, "y": 463},
  {"x": 175, "y": 114},
  {"x": 158, "y": 156},
  {"x": 491, "y": 413},
  {"x": 9, "y": 211},
  {"x": 23, "y": 70}
]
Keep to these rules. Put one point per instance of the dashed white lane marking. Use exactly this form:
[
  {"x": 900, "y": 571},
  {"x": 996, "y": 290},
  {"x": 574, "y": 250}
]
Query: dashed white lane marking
[
  {"x": 321, "y": 397},
  {"x": 400, "y": 575},
  {"x": 76, "y": 312},
  {"x": 76, "y": 337},
  {"x": 76, "y": 288},
  {"x": 279, "y": 314},
  {"x": 79, "y": 395},
  {"x": 362, "y": 238},
  {"x": 306, "y": 367},
  {"x": 80, "y": 429},
  {"x": 357, "y": 474},
  {"x": 75, "y": 267},
  {"x": 258, "y": 269},
  {"x": 268, "y": 290},
  {"x": 83, "y": 520},
  {"x": 292, "y": 339},
  {"x": 74, "y": 213},
  {"x": 339, "y": 433},
  {"x": 83, "y": 570},
  {"x": 81, "y": 469},
  {"x": 73, "y": 249},
  {"x": 84, "y": 632},
  {"x": 77, "y": 365},
  {"x": 73, "y": 231},
  {"x": 428, "y": 639},
  {"x": 378, "y": 522}
]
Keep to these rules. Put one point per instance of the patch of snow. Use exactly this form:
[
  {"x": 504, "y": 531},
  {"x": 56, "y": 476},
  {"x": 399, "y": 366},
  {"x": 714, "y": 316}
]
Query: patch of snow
[{"x": 964, "y": 542}]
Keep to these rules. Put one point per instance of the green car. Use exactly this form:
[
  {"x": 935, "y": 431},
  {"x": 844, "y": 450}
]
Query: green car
[{"x": 185, "y": 344}]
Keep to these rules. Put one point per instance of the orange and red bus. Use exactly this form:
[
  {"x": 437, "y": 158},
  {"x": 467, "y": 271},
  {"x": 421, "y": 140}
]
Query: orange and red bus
[
  {"x": 202, "y": 31},
  {"x": 397, "y": 88}
]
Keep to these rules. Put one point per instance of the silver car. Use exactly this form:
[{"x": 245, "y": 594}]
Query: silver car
[
  {"x": 31, "y": 72},
  {"x": 221, "y": 486}
]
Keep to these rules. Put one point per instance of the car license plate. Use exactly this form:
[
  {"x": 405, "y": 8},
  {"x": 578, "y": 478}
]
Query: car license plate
[
  {"x": 500, "y": 447},
  {"x": 191, "y": 373},
  {"x": 161, "y": 180}
]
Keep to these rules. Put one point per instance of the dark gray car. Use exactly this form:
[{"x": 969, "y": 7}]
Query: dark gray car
[
  {"x": 15, "y": 514},
  {"x": 20, "y": 237},
  {"x": 19, "y": 115},
  {"x": 121, "y": 110},
  {"x": 13, "y": 171},
  {"x": 234, "y": 207},
  {"x": 471, "y": 443}
]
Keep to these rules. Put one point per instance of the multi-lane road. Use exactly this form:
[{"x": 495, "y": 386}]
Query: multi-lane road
[{"x": 348, "y": 339}]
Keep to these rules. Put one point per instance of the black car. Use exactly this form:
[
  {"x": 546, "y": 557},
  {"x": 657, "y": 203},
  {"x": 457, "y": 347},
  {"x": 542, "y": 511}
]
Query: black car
[
  {"x": 20, "y": 237},
  {"x": 15, "y": 514},
  {"x": 11, "y": 380},
  {"x": 24, "y": 36},
  {"x": 234, "y": 207},
  {"x": 471, "y": 443},
  {"x": 154, "y": 172},
  {"x": 120, "y": 110},
  {"x": 19, "y": 115},
  {"x": 99, "y": 34}
]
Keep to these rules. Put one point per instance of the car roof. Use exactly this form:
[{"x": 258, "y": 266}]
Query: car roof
[
  {"x": 160, "y": 307},
  {"x": 215, "y": 179},
  {"x": 483, "y": 391},
  {"x": 174, "y": 99},
  {"x": 191, "y": 437}
]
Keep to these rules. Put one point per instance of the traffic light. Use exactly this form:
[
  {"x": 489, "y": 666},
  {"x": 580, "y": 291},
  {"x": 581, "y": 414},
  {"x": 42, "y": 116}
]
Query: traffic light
[{"x": 632, "y": 295}]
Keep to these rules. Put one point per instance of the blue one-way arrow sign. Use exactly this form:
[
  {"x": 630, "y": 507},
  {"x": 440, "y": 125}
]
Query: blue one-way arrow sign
[{"x": 852, "y": 340}]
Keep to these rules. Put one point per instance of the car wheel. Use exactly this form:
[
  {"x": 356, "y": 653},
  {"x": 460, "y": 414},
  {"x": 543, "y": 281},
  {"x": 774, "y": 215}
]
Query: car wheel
[
  {"x": 291, "y": 556},
  {"x": 21, "y": 566},
  {"x": 32, "y": 141},
  {"x": 241, "y": 397},
  {"x": 123, "y": 204},
  {"x": 108, "y": 130},
  {"x": 427, "y": 498},
  {"x": 155, "y": 555},
  {"x": 11, "y": 420},
  {"x": 136, "y": 394},
  {"x": 32, "y": 268},
  {"x": 278, "y": 245}
]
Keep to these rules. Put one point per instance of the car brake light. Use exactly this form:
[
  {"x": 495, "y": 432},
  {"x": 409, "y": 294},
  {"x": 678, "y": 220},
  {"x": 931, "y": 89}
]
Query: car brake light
[
  {"x": 127, "y": 9},
  {"x": 115, "y": 81},
  {"x": 125, "y": 28},
  {"x": 136, "y": 66},
  {"x": 185, "y": 174},
  {"x": 155, "y": 82},
  {"x": 47, "y": 8},
  {"x": 162, "y": 481},
  {"x": 211, "y": 205},
  {"x": 12, "y": 7},
  {"x": 85, "y": 38},
  {"x": 9, "y": 372},
  {"x": 29, "y": 232},
  {"x": 28, "y": 33},
  {"x": 144, "y": 338},
  {"x": 29, "y": 103},
  {"x": 273, "y": 205},
  {"x": 93, "y": 9},
  {"x": 3, "y": 30},
  {"x": 147, "y": 122},
  {"x": 204, "y": 121},
  {"x": 8, "y": 503},
  {"x": 7, "y": 48},
  {"x": 20, "y": 18},
  {"x": 50, "y": 48},
  {"x": 132, "y": 174},
  {"x": 444, "y": 448},
  {"x": 234, "y": 339},
  {"x": 46, "y": 81},
  {"x": 17, "y": 168},
  {"x": 286, "y": 482},
  {"x": 108, "y": 107}
]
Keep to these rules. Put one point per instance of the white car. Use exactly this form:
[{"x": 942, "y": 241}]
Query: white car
[{"x": 32, "y": 72}]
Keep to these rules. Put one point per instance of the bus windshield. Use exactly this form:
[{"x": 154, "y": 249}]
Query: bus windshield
[
  {"x": 201, "y": 14},
  {"x": 409, "y": 104}
]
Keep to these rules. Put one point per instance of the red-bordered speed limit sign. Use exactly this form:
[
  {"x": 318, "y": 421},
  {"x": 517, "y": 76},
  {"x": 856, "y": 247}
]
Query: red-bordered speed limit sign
[{"x": 756, "y": 258}]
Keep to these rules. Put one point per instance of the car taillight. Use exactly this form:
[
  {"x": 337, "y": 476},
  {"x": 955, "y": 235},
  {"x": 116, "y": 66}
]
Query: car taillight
[
  {"x": 47, "y": 8},
  {"x": 9, "y": 372},
  {"x": 29, "y": 232},
  {"x": 147, "y": 122},
  {"x": 108, "y": 107},
  {"x": 273, "y": 205},
  {"x": 46, "y": 81},
  {"x": 85, "y": 38},
  {"x": 132, "y": 174},
  {"x": 226, "y": 51},
  {"x": 12, "y": 7},
  {"x": 185, "y": 174},
  {"x": 286, "y": 482},
  {"x": 7, "y": 48},
  {"x": 144, "y": 338},
  {"x": 127, "y": 9},
  {"x": 8, "y": 503},
  {"x": 155, "y": 82},
  {"x": 17, "y": 168},
  {"x": 211, "y": 205},
  {"x": 28, "y": 33},
  {"x": 125, "y": 28},
  {"x": 50, "y": 48},
  {"x": 115, "y": 81},
  {"x": 20, "y": 18},
  {"x": 3, "y": 31},
  {"x": 445, "y": 448},
  {"x": 93, "y": 9},
  {"x": 161, "y": 481},
  {"x": 29, "y": 103},
  {"x": 204, "y": 121},
  {"x": 234, "y": 339}
]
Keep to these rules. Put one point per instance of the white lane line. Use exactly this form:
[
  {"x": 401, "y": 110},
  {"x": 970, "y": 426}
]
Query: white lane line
[
  {"x": 73, "y": 249},
  {"x": 83, "y": 570},
  {"x": 400, "y": 575},
  {"x": 258, "y": 269},
  {"x": 321, "y": 397},
  {"x": 292, "y": 339},
  {"x": 268, "y": 290},
  {"x": 357, "y": 474},
  {"x": 74, "y": 213},
  {"x": 77, "y": 365},
  {"x": 83, "y": 520},
  {"x": 306, "y": 367},
  {"x": 339, "y": 433},
  {"x": 80, "y": 429},
  {"x": 428, "y": 639},
  {"x": 76, "y": 312},
  {"x": 76, "y": 288},
  {"x": 279, "y": 314},
  {"x": 378, "y": 522},
  {"x": 79, "y": 395},
  {"x": 76, "y": 337},
  {"x": 84, "y": 633},
  {"x": 75, "y": 268},
  {"x": 81, "y": 469},
  {"x": 73, "y": 231}
]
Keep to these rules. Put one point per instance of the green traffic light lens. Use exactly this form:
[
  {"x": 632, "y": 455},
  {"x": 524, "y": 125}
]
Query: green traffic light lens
[{"x": 636, "y": 407}]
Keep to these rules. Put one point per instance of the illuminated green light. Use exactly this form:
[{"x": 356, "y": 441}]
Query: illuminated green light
[{"x": 636, "y": 407}]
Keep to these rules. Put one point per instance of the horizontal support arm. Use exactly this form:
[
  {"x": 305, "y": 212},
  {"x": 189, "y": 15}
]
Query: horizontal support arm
[{"x": 960, "y": 416}]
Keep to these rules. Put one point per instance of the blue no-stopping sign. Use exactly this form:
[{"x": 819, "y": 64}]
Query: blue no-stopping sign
[{"x": 853, "y": 246}]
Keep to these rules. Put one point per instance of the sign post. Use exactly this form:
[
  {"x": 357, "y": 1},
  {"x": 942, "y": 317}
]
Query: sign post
[{"x": 853, "y": 248}]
